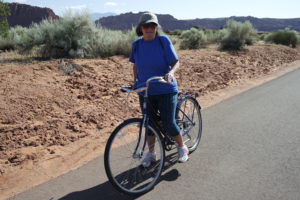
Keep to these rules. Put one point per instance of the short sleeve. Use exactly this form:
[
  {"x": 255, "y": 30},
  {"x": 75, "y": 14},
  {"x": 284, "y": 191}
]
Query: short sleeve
[
  {"x": 169, "y": 49},
  {"x": 131, "y": 58}
]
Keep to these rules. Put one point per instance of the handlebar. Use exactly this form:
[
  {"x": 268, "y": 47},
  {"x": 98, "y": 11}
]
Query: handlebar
[{"x": 129, "y": 88}]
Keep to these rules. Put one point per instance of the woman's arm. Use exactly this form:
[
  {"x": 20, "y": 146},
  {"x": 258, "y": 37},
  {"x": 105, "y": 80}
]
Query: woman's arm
[
  {"x": 169, "y": 76},
  {"x": 134, "y": 68}
]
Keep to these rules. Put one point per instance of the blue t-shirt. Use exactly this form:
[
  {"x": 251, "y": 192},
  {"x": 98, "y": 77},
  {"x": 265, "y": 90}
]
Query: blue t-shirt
[{"x": 154, "y": 58}]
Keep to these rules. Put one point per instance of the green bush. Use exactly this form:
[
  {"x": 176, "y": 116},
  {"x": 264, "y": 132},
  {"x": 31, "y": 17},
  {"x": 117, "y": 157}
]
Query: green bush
[
  {"x": 109, "y": 43},
  {"x": 263, "y": 36},
  {"x": 285, "y": 37},
  {"x": 174, "y": 39},
  {"x": 74, "y": 35},
  {"x": 192, "y": 39},
  {"x": 220, "y": 34},
  {"x": 4, "y": 13},
  {"x": 6, "y": 44},
  {"x": 211, "y": 35},
  {"x": 13, "y": 39},
  {"x": 237, "y": 35}
]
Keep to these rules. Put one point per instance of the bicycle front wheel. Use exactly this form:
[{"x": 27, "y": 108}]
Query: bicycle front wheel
[
  {"x": 124, "y": 154},
  {"x": 190, "y": 121}
]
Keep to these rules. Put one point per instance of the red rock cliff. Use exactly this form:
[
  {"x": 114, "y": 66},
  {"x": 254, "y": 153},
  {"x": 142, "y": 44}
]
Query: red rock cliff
[{"x": 25, "y": 15}]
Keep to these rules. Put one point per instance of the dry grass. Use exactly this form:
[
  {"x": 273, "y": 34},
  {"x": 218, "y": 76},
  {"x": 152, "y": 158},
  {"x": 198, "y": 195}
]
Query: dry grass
[{"x": 15, "y": 57}]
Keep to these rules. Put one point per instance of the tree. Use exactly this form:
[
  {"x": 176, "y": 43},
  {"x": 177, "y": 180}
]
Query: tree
[{"x": 4, "y": 13}]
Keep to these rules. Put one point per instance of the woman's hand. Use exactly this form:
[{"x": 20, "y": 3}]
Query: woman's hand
[{"x": 169, "y": 77}]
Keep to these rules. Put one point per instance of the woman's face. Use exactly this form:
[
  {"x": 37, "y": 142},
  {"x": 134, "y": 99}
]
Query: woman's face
[{"x": 149, "y": 31}]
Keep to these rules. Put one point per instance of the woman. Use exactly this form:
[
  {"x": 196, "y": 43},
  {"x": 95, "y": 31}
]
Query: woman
[{"x": 154, "y": 55}]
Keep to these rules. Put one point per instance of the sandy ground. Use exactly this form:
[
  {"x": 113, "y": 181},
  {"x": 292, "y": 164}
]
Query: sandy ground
[{"x": 61, "y": 112}]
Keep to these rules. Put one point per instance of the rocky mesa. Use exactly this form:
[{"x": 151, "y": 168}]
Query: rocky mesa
[
  {"x": 24, "y": 15},
  {"x": 168, "y": 22}
]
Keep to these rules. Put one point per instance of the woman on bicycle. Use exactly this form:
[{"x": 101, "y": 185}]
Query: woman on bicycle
[{"x": 154, "y": 55}]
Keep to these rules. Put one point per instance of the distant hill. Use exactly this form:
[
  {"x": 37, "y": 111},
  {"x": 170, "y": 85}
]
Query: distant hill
[
  {"x": 168, "y": 22},
  {"x": 129, "y": 20},
  {"x": 24, "y": 15},
  {"x": 96, "y": 16}
]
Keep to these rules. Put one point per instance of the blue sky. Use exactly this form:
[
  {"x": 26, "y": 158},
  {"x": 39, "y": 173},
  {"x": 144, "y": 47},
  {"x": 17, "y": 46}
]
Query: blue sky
[{"x": 180, "y": 9}]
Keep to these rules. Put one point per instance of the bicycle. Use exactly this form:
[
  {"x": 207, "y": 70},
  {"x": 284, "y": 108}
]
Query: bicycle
[{"x": 126, "y": 146}]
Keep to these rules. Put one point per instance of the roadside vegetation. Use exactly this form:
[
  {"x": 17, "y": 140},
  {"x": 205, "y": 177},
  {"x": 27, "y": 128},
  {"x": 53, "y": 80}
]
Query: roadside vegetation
[
  {"x": 75, "y": 35},
  {"x": 193, "y": 39},
  {"x": 285, "y": 37},
  {"x": 237, "y": 35}
]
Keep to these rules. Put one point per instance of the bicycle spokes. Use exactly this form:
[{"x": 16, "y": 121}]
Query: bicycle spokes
[{"x": 123, "y": 158}]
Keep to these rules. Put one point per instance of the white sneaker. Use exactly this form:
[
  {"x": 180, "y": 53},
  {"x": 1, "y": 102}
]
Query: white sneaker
[
  {"x": 150, "y": 157},
  {"x": 183, "y": 154}
]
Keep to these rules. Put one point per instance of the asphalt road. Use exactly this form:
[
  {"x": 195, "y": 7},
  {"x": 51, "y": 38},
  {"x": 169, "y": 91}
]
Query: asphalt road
[{"x": 250, "y": 149}]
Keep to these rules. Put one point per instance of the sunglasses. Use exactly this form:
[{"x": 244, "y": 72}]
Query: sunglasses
[{"x": 150, "y": 25}]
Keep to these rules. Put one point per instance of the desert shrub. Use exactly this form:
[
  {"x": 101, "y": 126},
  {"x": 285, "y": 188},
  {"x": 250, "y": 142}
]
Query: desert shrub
[
  {"x": 262, "y": 36},
  {"x": 250, "y": 40},
  {"x": 238, "y": 34},
  {"x": 211, "y": 35},
  {"x": 13, "y": 39},
  {"x": 192, "y": 39},
  {"x": 219, "y": 35},
  {"x": 174, "y": 39},
  {"x": 69, "y": 68},
  {"x": 215, "y": 36},
  {"x": 74, "y": 35},
  {"x": 59, "y": 38},
  {"x": 109, "y": 43},
  {"x": 285, "y": 37},
  {"x": 6, "y": 44}
]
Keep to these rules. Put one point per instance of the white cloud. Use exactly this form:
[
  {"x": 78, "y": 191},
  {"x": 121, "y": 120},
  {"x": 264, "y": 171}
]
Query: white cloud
[
  {"x": 109, "y": 3},
  {"x": 78, "y": 7}
]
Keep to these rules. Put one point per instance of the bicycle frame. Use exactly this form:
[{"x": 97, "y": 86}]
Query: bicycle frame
[{"x": 146, "y": 119}]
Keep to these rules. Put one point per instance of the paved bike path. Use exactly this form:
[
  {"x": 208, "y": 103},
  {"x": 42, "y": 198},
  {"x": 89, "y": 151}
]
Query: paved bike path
[{"x": 249, "y": 150}]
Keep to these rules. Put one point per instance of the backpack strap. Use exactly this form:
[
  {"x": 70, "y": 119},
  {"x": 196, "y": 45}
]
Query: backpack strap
[{"x": 163, "y": 46}]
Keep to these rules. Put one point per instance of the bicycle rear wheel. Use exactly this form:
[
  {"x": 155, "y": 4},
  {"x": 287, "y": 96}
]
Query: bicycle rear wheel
[
  {"x": 190, "y": 122},
  {"x": 123, "y": 166}
]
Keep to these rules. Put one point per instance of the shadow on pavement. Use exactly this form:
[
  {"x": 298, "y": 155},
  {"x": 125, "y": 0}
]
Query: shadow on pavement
[{"x": 107, "y": 191}]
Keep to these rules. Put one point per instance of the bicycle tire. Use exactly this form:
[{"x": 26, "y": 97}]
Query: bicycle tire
[
  {"x": 192, "y": 109},
  {"x": 123, "y": 169}
]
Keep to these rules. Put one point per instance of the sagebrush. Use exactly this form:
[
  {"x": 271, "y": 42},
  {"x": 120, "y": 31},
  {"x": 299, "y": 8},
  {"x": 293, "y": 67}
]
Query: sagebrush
[
  {"x": 192, "y": 39},
  {"x": 73, "y": 35},
  {"x": 286, "y": 37},
  {"x": 237, "y": 35}
]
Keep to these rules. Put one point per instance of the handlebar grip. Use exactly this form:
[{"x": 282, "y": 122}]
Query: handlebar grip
[
  {"x": 126, "y": 88},
  {"x": 162, "y": 81}
]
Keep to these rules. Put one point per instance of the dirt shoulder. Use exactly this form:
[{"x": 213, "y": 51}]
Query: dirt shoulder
[{"x": 50, "y": 119}]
